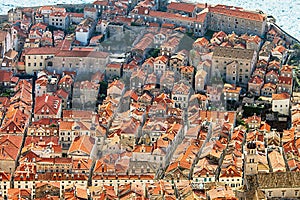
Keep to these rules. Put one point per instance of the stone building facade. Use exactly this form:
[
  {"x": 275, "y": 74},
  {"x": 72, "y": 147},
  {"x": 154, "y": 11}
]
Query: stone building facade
[{"x": 233, "y": 64}]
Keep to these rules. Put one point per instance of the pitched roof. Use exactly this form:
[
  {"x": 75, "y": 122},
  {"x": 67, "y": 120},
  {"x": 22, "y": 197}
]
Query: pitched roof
[
  {"x": 237, "y": 12},
  {"x": 41, "y": 51},
  {"x": 62, "y": 93},
  {"x": 117, "y": 83},
  {"x": 10, "y": 145},
  {"x": 181, "y": 6},
  {"x": 285, "y": 80},
  {"x": 66, "y": 125},
  {"x": 256, "y": 80},
  {"x": 281, "y": 96},
  {"x": 201, "y": 41},
  {"x": 5, "y": 76},
  {"x": 179, "y": 17},
  {"x": 270, "y": 85},
  {"x": 233, "y": 53},
  {"x": 67, "y": 79},
  {"x": 72, "y": 53},
  {"x": 15, "y": 121},
  {"x": 181, "y": 88},
  {"x": 82, "y": 143},
  {"x": 77, "y": 114},
  {"x": 47, "y": 104}
]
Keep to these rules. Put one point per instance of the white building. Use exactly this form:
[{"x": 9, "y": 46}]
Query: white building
[
  {"x": 281, "y": 103},
  {"x": 84, "y": 30}
]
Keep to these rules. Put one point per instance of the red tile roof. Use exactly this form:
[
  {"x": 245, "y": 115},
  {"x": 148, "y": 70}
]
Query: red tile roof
[
  {"x": 76, "y": 15},
  {"x": 236, "y": 12},
  {"x": 281, "y": 96},
  {"x": 14, "y": 121},
  {"x": 270, "y": 85},
  {"x": 58, "y": 14},
  {"x": 256, "y": 80},
  {"x": 201, "y": 41},
  {"x": 114, "y": 65},
  {"x": 41, "y": 51},
  {"x": 67, "y": 79},
  {"x": 62, "y": 93},
  {"x": 179, "y": 17},
  {"x": 77, "y": 114},
  {"x": 181, "y": 6},
  {"x": 102, "y": 3},
  {"x": 41, "y": 140},
  {"x": 92, "y": 54},
  {"x": 132, "y": 95},
  {"x": 285, "y": 80},
  {"x": 66, "y": 125},
  {"x": 5, "y": 76},
  {"x": 9, "y": 146},
  {"x": 47, "y": 105},
  {"x": 82, "y": 143},
  {"x": 45, "y": 122},
  {"x": 163, "y": 59}
]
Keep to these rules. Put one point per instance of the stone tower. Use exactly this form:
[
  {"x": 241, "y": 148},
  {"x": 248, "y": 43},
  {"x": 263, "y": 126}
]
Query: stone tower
[{"x": 251, "y": 159}]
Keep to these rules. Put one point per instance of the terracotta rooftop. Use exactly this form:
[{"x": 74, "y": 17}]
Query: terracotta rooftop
[
  {"x": 77, "y": 114},
  {"x": 236, "y": 12},
  {"x": 47, "y": 104},
  {"x": 10, "y": 145},
  {"x": 281, "y": 96},
  {"x": 93, "y": 54},
  {"x": 181, "y": 6},
  {"x": 256, "y": 80},
  {"x": 233, "y": 53},
  {"x": 41, "y": 51},
  {"x": 270, "y": 85},
  {"x": 82, "y": 143},
  {"x": 285, "y": 80},
  {"x": 179, "y": 17},
  {"x": 5, "y": 76}
]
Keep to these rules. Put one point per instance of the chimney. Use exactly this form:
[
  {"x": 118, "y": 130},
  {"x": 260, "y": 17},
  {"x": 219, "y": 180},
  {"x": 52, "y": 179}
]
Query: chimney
[{"x": 79, "y": 164}]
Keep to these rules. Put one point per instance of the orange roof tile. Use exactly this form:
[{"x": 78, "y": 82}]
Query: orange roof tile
[
  {"x": 256, "y": 80},
  {"x": 47, "y": 105},
  {"x": 225, "y": 10},
  {"x": 281, "y": 96},
  {"x": 82, "y": 143},
  {"x": 181, "y": 6},
  {"x": 285, "y": 80},
  {"x": 167, "y": 15},
  {"x": 66, "y": 125},
  {"x": 41, "y": 51}
]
